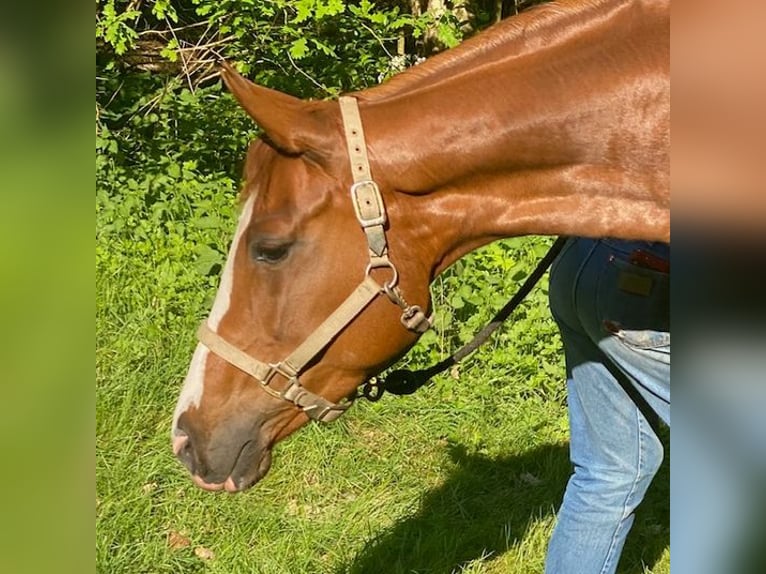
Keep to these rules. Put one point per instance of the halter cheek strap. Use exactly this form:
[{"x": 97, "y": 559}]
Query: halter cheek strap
[{"x": 371, "y": 214}]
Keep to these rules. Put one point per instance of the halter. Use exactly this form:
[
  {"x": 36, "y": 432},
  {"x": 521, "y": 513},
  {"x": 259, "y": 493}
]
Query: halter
[{"x": 371, "y": 214}]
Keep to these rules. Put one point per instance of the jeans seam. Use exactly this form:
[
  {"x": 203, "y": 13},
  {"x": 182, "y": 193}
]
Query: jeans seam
[
  {"x": 578, "y": 275},
  {"x": 631, "y": 493}
]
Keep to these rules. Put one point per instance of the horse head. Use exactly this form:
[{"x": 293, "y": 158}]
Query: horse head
[{"x": 298, "y": 253}]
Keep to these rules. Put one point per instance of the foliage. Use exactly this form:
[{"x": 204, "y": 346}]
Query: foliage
[
  {"x": 466, "y": 297},
  {"x": 298, "y": 46}
]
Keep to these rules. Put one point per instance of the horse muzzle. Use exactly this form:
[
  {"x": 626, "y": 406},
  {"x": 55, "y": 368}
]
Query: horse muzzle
[{"x": 233, "y": 463}]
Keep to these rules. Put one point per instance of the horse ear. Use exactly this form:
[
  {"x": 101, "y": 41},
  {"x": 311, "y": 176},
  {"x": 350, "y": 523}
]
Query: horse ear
[{"x": 289, "y": 122}]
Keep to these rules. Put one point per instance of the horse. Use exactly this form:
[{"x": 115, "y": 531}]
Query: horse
[{"x": 553, "y": 122}]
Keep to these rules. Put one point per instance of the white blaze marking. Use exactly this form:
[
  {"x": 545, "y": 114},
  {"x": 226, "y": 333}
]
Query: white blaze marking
[
  {"x": 223, "y": 297},
  {"x": 191, "y": 392}
]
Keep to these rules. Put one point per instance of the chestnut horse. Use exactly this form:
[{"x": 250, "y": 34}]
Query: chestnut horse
[{"x": 553, "y": 122}]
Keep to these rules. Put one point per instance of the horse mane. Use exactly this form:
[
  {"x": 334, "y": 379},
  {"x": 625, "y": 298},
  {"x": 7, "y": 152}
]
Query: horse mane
[{"x": 532, "y": 29}]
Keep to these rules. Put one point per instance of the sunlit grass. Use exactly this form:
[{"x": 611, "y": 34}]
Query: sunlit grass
[{"x": 464, "y": 476}]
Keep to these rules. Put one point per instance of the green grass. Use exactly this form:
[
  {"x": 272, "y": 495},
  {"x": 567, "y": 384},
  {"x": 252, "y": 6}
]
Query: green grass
[{"x": 464, "y": 476}]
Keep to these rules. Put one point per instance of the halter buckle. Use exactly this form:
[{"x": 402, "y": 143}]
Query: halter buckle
[
  {"x": 368, "y": 203},
  {"x": 279, "y": 369}
]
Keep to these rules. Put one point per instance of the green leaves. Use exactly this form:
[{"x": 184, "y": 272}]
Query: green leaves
[
  {"x": 299, "y": 48},
  {"x": 467, "y": 295},
  {"x": 318, "y": 9},
  {"x": 208, "y": 259},
  {"x": 164, "y": 9},
  {"x": 162, "y": 234},
  {"x": 304, "y": 10},
  {"x": 448, "y": 33},
  {"x": 115, "y": 27},
  {"x": 170, "y": 51},
  {"x": 331, "y": 8}
]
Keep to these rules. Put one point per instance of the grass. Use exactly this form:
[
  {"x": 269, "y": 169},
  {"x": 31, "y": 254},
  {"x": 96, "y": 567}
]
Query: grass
[{"x": 464, "y": 476}]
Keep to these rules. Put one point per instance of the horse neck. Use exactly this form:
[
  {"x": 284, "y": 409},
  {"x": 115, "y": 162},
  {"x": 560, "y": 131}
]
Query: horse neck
[{"x": 542, "y": 141}]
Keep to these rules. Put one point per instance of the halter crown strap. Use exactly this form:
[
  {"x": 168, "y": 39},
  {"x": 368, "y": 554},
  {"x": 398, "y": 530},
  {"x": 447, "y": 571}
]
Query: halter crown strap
[
  {"x": 365, "y": 194},
  {"x": 355, "y": 142}
]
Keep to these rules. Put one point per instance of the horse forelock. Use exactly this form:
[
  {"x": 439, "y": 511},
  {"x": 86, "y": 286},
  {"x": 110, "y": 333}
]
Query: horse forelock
[{"x": 255, "y": 171}]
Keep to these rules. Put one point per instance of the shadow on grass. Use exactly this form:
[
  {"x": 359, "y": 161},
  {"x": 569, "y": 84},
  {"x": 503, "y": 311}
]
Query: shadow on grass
[{"x": 488, "y": 505}]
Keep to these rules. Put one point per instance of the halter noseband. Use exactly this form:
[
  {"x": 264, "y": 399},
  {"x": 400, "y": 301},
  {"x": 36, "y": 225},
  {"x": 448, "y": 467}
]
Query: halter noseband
[{"x": 371, "y": 214}]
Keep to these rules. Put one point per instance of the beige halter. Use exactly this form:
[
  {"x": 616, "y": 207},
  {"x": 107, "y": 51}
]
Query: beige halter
[{"x": 371, "y": 214}]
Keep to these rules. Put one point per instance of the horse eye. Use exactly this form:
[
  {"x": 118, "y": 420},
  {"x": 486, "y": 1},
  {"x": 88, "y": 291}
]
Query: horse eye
[{"x": 263, "y": 252}]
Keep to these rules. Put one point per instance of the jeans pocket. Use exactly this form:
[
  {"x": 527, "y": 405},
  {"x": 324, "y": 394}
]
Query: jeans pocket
[{"x": 633, "y": 298}]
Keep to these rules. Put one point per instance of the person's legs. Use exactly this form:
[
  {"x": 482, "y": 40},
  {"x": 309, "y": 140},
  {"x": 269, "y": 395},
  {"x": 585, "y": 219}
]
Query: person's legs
[
  {"x": 615, "y": 454},
  {"x": 614, "y": 450}
]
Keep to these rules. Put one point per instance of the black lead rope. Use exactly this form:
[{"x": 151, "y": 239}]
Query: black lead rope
[{"x": 406, "y": 382}]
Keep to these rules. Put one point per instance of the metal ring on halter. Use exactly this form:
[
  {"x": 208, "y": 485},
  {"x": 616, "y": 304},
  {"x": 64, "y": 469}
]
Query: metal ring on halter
[{"x": 379, "y": 263}]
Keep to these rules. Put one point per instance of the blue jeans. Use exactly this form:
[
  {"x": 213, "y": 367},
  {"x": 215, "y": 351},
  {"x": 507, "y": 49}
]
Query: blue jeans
[{"x": 612, "y": 308}]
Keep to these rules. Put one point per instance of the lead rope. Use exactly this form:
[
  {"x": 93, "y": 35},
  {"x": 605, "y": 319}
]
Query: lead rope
[{"x": 405, "y": 382}]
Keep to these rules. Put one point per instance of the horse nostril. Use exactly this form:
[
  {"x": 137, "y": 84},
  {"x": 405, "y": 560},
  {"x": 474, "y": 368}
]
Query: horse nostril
[
  {"x": 184, "y": 451},
  {"x": 179, "y": 442}
]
